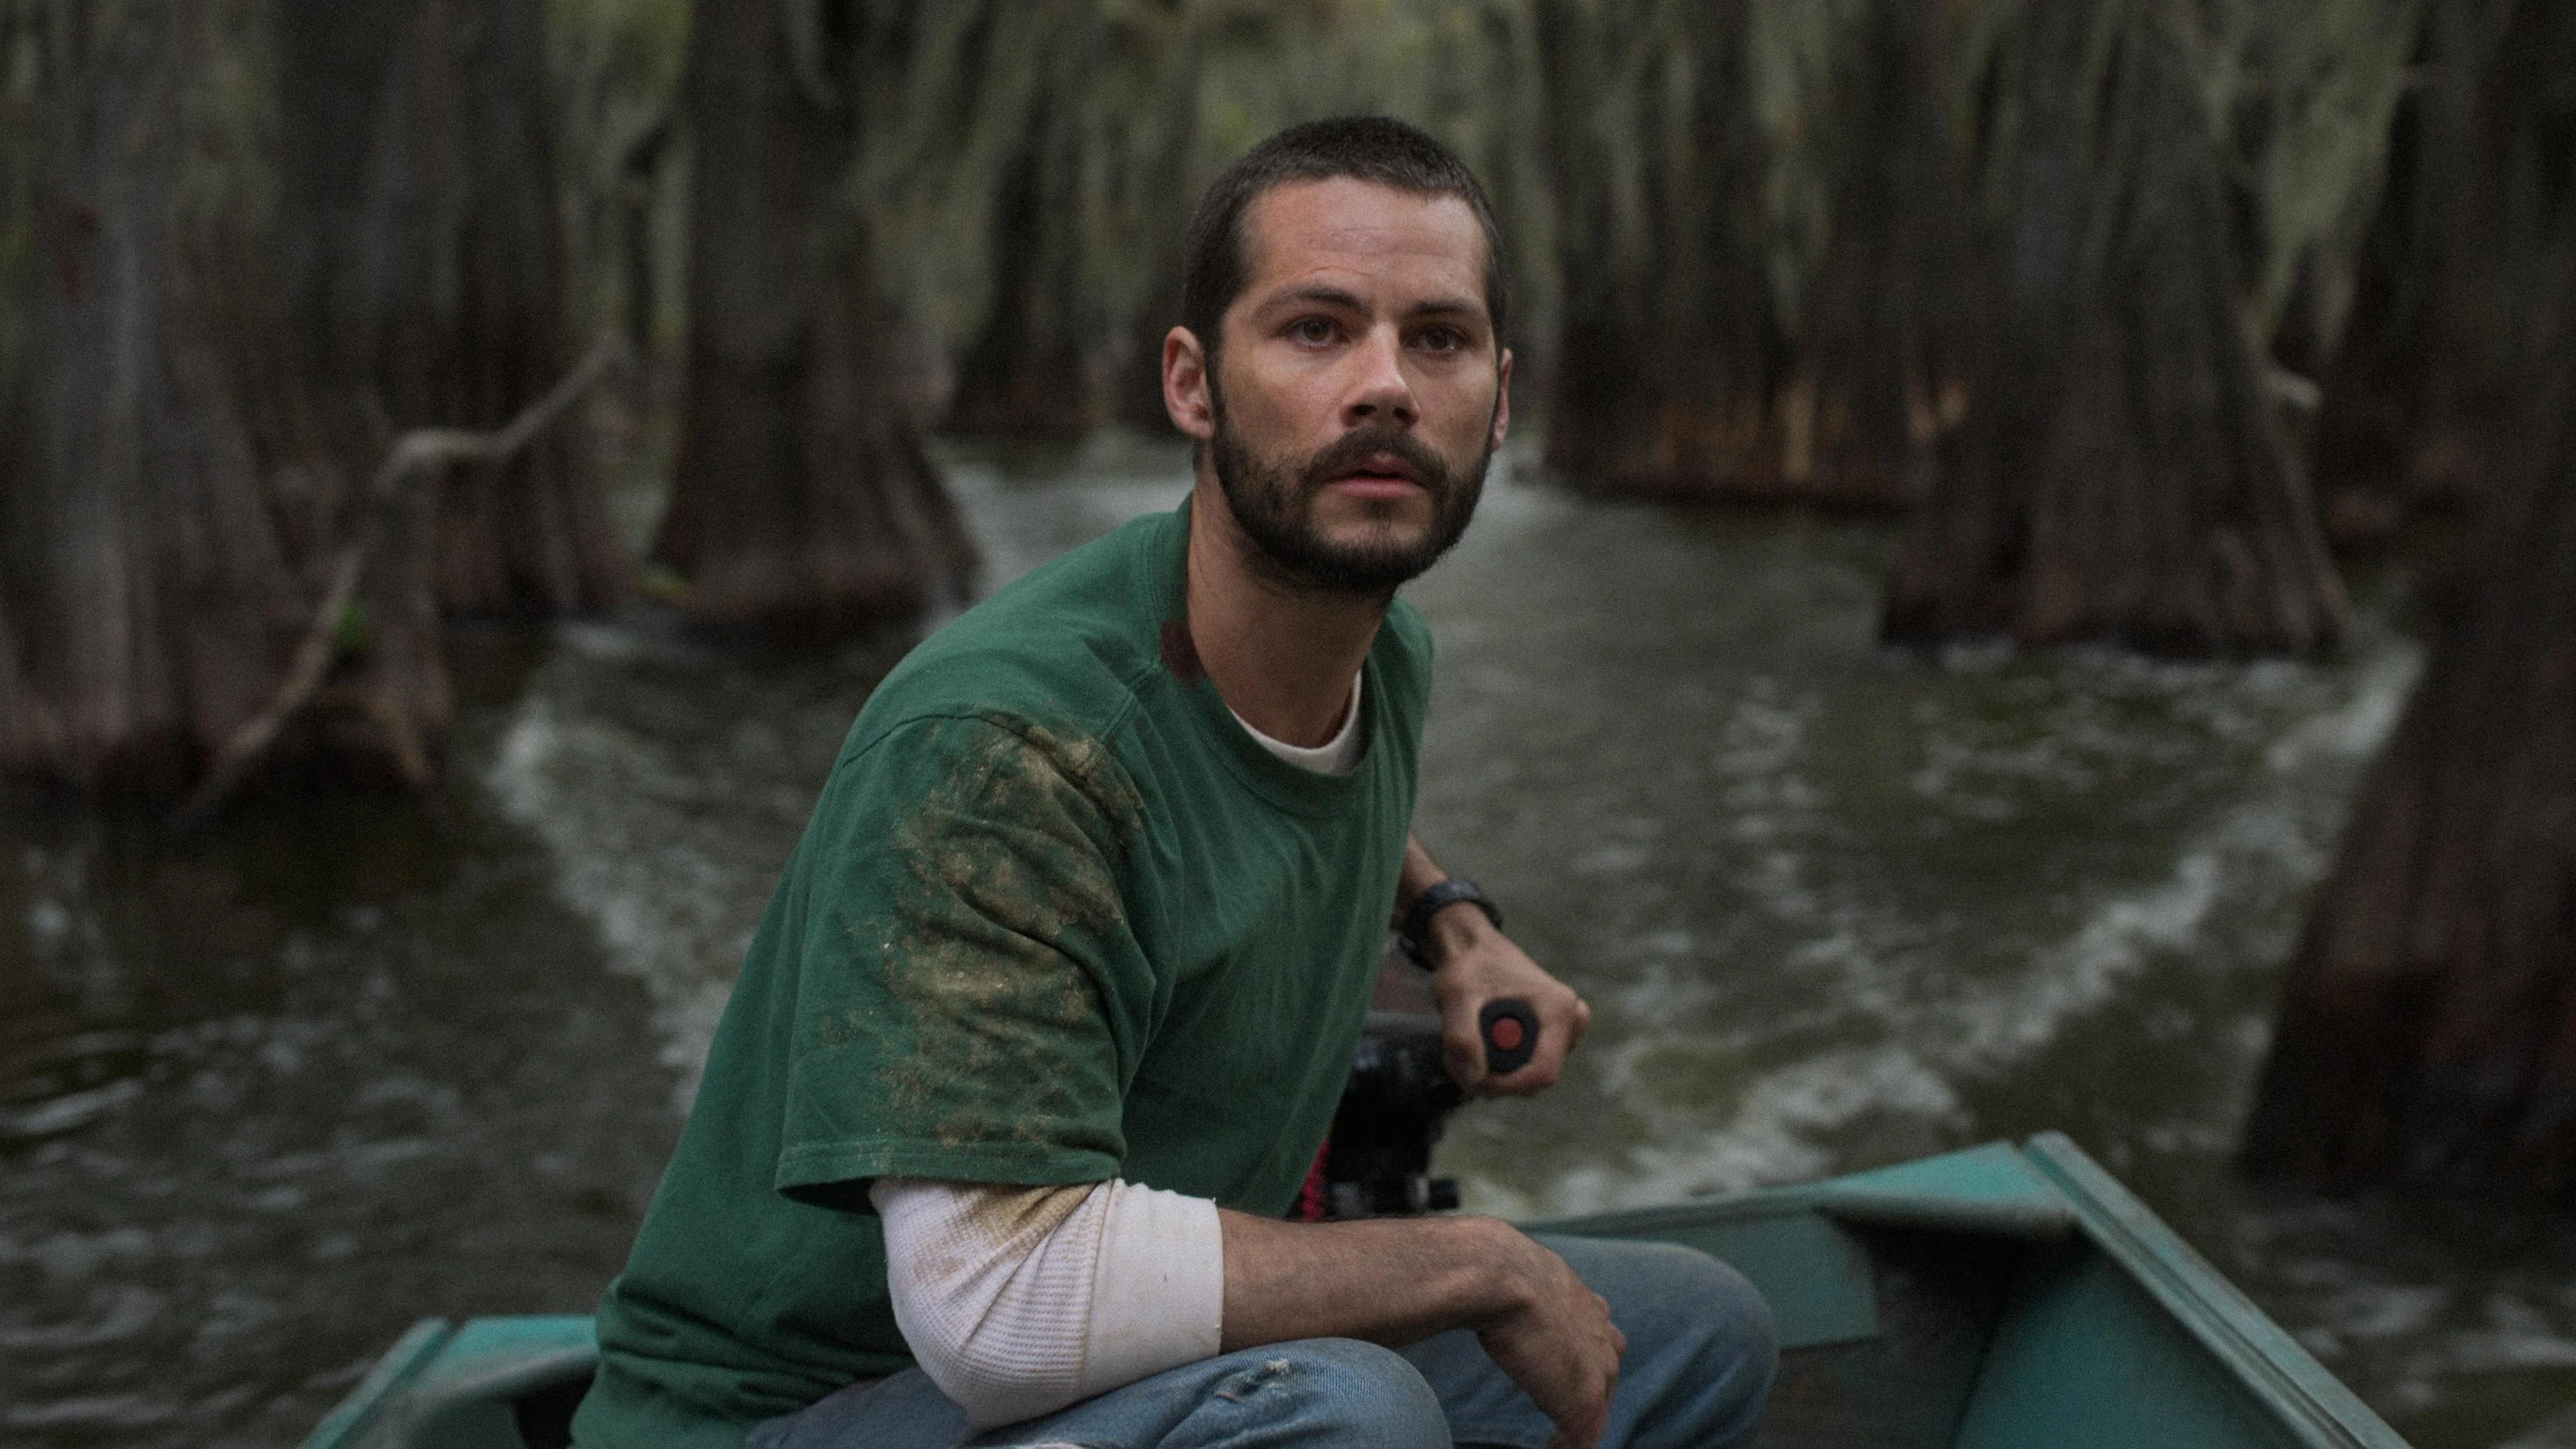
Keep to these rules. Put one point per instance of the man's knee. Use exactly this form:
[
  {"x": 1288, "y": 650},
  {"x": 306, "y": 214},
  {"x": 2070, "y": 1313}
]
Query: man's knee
[
  {"x": 1724, "y": 1308},
  {"x": 1728, "y": 1355},
  {"x": 1335, "y": 1391},
  {"x": 1741, "y": 1338}
]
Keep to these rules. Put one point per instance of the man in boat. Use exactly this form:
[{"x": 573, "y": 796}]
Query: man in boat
[{"x": 1041, "y": 1032}]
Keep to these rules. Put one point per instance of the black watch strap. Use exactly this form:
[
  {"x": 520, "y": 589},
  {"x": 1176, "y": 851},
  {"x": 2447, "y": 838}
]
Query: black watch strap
[{"x": 1417, "y": 916}]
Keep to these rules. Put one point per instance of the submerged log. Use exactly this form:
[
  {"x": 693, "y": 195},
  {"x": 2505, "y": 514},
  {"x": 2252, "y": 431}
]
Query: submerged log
[
  {"x": 803, "y": 493},
  {"x": 2427, "y": 1031},
  {"x": 2118, "y": 475}
]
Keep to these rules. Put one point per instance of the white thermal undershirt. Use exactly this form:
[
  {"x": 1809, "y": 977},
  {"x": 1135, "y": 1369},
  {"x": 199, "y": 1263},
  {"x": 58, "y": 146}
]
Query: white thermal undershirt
[
  {"x": 1020, "y": 1300},
  {"x": 1334, "y": 756}
]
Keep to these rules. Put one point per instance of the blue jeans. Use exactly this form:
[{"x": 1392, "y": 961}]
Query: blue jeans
[{"x": 1700, "y": 1355}]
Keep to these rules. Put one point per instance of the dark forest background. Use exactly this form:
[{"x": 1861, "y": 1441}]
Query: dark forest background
[{"x": 324, "y": 322}]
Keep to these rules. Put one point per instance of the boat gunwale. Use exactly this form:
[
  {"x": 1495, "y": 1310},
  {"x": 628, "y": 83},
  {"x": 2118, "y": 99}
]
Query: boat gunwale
[
  {"x": 2275, "y": 1369},
  {"x": 2319, "y": 1408},
  {"x": 400, "y": 1364}
]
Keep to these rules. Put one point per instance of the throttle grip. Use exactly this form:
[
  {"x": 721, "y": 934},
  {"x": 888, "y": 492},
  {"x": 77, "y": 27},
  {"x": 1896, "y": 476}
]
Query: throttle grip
[{"x": 1509, "y": 1027}]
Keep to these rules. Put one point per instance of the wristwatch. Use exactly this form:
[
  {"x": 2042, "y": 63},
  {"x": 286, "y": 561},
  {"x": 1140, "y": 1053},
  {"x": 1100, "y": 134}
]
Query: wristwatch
[{"x": 1417, "y": 916}]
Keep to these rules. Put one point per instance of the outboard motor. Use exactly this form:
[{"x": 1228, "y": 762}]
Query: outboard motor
[{"x": 1377, "y": 1162}]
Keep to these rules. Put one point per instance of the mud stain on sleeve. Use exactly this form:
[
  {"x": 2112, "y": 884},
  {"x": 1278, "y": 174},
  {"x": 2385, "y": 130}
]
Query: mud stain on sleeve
[
  {"x": 1006, "y": 911},
  {"x": 997, "y": 1224}
]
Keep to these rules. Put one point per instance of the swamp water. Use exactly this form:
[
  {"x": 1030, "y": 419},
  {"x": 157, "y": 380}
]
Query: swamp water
[{"x": 266, "y": 1098}]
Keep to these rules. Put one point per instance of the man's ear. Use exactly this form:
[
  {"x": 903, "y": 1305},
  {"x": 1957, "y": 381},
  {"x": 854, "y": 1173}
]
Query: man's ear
[
  {"x": 1503, "y": 398},
  {"x": 1185, "y": 385}
]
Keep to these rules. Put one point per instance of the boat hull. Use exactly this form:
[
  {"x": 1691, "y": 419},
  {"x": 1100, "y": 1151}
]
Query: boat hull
[{"x": 1999, "y": 1297}]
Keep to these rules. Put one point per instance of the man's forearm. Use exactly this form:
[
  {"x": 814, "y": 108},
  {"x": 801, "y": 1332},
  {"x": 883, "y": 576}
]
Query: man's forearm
[
  {"x": 1398, "y": 1281},
  {"x": 1389, "y": 1281},
  {"x": 1420, "y": 873}
]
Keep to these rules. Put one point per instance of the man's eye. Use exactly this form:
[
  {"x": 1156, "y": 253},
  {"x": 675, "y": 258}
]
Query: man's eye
[
  {"x": 1312, "y": 329},
  {"x": 1443, "y": 339}
]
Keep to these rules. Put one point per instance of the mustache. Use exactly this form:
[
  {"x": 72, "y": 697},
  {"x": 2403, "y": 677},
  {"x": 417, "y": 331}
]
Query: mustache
[{"x": 1346, "y": 453}]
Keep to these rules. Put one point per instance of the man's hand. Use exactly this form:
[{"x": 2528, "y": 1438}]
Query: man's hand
[
  {"x": 1473, "y": 963},
  {"x": 1399, "y": 1280},
  {"x": 1561, "y": 1347},
  {"x": 1477, "y": 963}
]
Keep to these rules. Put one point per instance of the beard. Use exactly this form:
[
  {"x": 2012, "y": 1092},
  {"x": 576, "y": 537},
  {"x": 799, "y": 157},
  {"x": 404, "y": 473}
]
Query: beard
[{"x": 1274, "y": 501}]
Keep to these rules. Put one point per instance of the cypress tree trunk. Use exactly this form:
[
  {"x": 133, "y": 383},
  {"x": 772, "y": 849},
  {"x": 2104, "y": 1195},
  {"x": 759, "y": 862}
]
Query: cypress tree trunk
[
  {"x": 1136, "y": 382},
  {"x": 1878, "y": 379},
  {"x": 1037, "y": 369},
  {"x": 208, "y": 375},
  {"x": 2435, "y": 367},
  {"x": 2118, "y": 476},
  {"x": 150, "y": 599},
  {"x": 31, "y": 738},
  {"x": 1090, "y": 211},
  {"x": 425, "y": 277},
  {"x": 1161, "y": 170},
  {"x": 1671, "y": 354},
  {"x": 803, "y": 493},
  {"x": 2428, "y": 1027}
]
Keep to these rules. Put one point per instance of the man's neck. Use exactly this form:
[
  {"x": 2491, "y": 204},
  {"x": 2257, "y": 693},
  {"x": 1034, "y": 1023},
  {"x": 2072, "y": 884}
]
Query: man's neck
[{"x": 1282, "y": 657}]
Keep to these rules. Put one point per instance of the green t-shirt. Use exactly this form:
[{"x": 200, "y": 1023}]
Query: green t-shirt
[{"x": 1057, "y": 918}]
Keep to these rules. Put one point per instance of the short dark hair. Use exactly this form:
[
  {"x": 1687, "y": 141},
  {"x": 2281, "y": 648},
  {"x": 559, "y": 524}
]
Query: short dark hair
[{"x": 1377, "y": 149}]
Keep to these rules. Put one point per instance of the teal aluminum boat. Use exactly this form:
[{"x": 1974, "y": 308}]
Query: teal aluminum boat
[{"x": 1995, "y": 1298}]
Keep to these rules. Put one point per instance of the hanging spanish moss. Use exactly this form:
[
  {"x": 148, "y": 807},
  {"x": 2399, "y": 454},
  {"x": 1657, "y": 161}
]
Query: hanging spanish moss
[
  {"x": 613, "y": 71},
  {"x": 1039, "y": 368},
  {"x": 2301, "y": 94}
]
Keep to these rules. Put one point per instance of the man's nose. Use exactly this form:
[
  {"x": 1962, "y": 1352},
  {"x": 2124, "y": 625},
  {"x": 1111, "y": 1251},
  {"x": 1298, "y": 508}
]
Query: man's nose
[{"x": 1381, "y": 392}]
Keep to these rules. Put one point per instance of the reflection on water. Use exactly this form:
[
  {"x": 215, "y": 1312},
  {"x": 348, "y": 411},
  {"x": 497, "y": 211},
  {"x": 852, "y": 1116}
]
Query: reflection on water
[{"x": 266, "y": 1098}]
